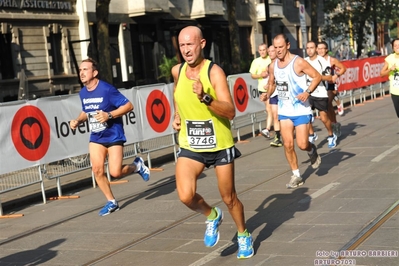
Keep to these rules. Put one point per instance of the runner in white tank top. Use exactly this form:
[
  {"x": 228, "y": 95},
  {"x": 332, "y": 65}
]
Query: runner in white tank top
[
  {"x": 289, "y": 85},
  {"x": 288, "y": 76}
]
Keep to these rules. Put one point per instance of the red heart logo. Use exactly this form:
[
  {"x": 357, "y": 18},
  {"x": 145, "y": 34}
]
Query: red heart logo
[
  {"x": 158, "y": 110},
  {"x": 31, "y": 132},
  {"x": 240, "y": 94}
]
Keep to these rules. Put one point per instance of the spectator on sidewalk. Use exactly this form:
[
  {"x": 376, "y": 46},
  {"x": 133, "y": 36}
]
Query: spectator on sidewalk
[
  {"x": 273, "y": 103},
  {"x": 204, "y": 108},
  {"x": 259, "y": 71},
  {"x": 289, "y": 73},
  {"x": 103, "y": 107}
]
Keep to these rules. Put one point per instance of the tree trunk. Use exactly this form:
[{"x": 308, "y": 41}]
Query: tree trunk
[
  {"x": 104, "y": 58},
  {"x": 234, "y": 41},
  {"x": 313, "y": 21},
  {"x": 360, "y": 30}
]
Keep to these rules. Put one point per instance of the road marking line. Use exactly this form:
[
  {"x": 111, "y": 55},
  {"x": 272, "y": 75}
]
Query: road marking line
[
  {"x": 213, "y": 255},
  {"x": 382, "y": 155},
  {"x": 319, "y": 192}
]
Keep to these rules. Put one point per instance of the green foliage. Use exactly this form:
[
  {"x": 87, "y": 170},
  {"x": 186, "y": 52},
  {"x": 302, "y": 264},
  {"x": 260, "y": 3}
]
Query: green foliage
[
  {"x": 245, "y": 64},
  {"x": 363, "y": 15},
  {"x": 165, "y": 67}
]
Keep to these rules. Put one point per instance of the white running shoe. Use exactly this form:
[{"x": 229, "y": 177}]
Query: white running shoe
[
  {"x": 313, "y": 138},
  {"x": 265, "y": 133},
  {"x": 340, "y": 108}
]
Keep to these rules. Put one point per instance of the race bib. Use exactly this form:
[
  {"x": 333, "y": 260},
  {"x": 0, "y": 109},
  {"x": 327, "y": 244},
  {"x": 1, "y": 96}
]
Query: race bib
[
  {"x": 395, "y": 83},
  {"x": 282, "y": 89},
  {"x": 201, "y": 134},
  {"x": 94, "y": 125}
]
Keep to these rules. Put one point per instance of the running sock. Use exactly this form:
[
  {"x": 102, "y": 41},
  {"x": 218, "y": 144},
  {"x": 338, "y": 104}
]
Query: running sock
[
  {"x": 213, "y": 215},
  {"x": 296, "y": 172},
  {"x": 245, "y": 233},
  {"x": 311, "y": 151},
  {"x": 113, "y": 201},
  {"x": 278, "y": 134}
]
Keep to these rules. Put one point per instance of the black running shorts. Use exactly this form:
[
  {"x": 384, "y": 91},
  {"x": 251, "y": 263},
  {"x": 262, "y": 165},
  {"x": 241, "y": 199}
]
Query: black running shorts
[
  {"x": 320, "y": 104},
  {"x": 222, "y": 157}
]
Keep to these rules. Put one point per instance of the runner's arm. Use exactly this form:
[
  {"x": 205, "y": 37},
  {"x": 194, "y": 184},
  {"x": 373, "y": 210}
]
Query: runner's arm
[
  {"x": 223, "y": 104},
  {"x": 176, "y": 124},
  {"x": 340, "y": 68},
  {"x": 271, "y": 84}
]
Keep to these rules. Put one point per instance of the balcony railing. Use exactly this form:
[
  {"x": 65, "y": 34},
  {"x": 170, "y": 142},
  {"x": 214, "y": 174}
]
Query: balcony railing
[
  {"x": 275, "y": 11},
  {"x": 204, "y": 8},
  {"x": 143, "y": 7}
]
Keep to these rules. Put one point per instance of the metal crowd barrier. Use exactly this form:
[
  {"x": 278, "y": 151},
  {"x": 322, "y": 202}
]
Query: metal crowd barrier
[
  {"x": 243, "y": 121},
  {"x": 360, "y": 95},
  {"x": 156, "y": 144},
  {"x": 19, "y": 179},
  {"x": 71, "y": 165},
  {"x": 56, "y": 170}
]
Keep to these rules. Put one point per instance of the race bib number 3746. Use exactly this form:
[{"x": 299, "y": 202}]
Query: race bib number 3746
[{"x": 201, "y": 134}]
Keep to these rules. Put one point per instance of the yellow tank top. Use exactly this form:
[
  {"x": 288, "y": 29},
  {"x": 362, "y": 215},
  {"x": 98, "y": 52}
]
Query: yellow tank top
[
  {"x": 393, "y": 75},
  {"x": 201, "y": 130}
]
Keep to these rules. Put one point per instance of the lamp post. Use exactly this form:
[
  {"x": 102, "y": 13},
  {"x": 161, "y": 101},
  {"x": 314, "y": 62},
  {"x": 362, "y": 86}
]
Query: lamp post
[{"x": 268, "y": 26}]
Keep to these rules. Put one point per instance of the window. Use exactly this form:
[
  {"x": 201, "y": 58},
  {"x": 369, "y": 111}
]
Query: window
[
  {"x": 6, "y": 60},
  {"x": 56, "y": 53}
]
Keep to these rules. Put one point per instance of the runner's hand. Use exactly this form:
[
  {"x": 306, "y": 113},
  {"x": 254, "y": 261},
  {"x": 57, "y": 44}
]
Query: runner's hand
[
  {"x": 73, "y": 124},
  {"x": 176, "y": 122},
  {"x": 263, "y": 97},
  {"x": 101, "y": 116},
  {"x": 197, "y": 88}
]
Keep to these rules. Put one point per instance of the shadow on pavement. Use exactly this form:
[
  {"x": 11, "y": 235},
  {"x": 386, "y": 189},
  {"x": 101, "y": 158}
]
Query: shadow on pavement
[
  {"x": 37, "y": 256},
  {"x": 273, "y": 212}
]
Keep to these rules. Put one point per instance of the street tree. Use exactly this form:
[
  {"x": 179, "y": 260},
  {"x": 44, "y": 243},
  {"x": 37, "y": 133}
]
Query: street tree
[
  {"x": 355, "y": 20},
  {"x": 234, "y": 39},
  {"x": 313, "y": 20},
  {"x": 104, "y": 61}
]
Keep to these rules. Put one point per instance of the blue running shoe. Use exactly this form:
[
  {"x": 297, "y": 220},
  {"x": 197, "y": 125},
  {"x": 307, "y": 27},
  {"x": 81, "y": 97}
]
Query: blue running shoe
[
  {"x": 108, "y": 208},
  {"x": 245, "y": 248},
  {"x": 211, "y": 237},
  {"x": 332, "y": 141},
  {"x": 142, "y": 169}
]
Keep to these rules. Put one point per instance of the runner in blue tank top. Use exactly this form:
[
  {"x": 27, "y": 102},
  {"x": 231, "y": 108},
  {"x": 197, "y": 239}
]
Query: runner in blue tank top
[
  {"x": 288, "y": 76},
  {"x": 103, "y": 107}
]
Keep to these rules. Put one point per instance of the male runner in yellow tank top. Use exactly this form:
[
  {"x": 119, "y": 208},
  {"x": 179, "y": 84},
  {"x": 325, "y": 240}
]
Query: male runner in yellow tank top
[{"x": 204, "y": 106}]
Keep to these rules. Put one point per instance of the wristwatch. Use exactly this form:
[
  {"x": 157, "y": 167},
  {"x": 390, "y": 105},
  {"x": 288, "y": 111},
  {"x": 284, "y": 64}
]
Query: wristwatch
[
  {"x": 207, "y": 99},
  {"x": 110, "y": 115},
  {"x": 308, "y": 91}
]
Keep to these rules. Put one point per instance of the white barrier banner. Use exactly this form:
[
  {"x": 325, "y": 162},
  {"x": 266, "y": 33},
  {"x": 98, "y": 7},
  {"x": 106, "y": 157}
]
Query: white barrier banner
[
  {"x": 9, "y": 156},
  {"x": 131, "y": 122},
  {"x": 64, "y": 142},
  {"x": 37, "y": 132},
  {"x": 156, "y": 109},
  {"x": 244, "y": 91}
]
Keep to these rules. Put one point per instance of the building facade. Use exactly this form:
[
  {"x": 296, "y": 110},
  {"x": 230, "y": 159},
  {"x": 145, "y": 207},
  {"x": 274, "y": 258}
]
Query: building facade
[{"x": 43, "y": 41}]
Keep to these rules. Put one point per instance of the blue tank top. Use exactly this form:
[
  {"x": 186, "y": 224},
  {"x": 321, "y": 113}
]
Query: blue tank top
[
  {"x": 107, "y": 98},
  {"x": 289, "y": 85}
]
